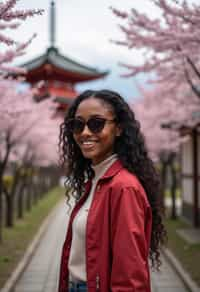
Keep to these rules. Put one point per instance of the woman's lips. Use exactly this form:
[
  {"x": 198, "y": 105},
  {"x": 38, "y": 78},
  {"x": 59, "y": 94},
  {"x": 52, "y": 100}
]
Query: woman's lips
[{"x": 88, "y": 145}]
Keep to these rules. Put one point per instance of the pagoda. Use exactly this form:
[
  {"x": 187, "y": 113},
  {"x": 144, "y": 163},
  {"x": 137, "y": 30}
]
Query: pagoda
[{"x": 59, "y": 73}]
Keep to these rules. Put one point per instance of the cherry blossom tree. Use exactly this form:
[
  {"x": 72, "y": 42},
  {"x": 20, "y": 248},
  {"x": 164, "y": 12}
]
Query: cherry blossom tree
[
  {"x": 28, "y": 135},
  {"x": 154, "y": 109},
  {"x": 170, "y": 43},
  {"x": 10, "y": 111},
  {"x": 10, "y": 19},
  {"x": 14, "y": 107}
]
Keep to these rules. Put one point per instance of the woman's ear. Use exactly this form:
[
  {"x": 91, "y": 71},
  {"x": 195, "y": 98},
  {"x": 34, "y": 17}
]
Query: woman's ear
[{"x": 119, "y": 131}]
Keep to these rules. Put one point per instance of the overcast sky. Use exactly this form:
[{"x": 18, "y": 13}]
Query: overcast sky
[{"x": 84, "y": 29}]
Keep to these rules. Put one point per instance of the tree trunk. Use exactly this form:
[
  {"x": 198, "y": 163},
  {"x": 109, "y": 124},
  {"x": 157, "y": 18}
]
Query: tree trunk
[
  {"x": 173, "y": 186},
  {"x": 20, "y": 205},
  {"x": 28, "y": 200},
  {"x": 35, "y": 193},
  {"x": 1, "y": 211},
  {"x": 9, "y": 211},
  {"x": 3, "y": 165},
  {"x": 20, "y": 197},
  {"x": 163, "y": 183}
]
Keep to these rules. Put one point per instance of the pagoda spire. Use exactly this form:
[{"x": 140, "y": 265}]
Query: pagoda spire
[{"x": 52, "y": 24}]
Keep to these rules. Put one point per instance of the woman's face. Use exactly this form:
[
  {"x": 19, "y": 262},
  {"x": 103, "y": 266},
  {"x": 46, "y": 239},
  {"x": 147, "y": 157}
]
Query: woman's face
[{"x": 96, "y": 146}]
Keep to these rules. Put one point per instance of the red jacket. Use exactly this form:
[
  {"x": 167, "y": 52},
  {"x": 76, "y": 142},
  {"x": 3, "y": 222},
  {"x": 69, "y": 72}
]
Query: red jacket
[{"x": 118, "y": 235}]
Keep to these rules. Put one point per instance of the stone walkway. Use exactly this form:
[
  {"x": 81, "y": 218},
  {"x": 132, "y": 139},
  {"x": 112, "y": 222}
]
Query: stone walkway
[
  {"x": 167, "y": 280},
  {"x": 42, "y": 273}
]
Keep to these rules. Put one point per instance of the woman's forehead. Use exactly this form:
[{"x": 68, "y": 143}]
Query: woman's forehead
[{"x": 94, "y": 106}]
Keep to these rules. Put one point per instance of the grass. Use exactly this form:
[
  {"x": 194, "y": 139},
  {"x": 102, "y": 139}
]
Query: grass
[
  {"x": 187, "y": 254},
  {"x": 17, "y": 239}
]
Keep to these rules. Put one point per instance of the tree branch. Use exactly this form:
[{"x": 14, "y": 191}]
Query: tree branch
[
  {"x": 193, "y": 66},
  {"x": 193, "y": 87}
]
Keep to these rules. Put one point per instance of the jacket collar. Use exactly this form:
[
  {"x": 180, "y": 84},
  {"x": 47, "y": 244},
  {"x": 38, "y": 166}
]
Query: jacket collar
[{"x": 112, "y": 170}]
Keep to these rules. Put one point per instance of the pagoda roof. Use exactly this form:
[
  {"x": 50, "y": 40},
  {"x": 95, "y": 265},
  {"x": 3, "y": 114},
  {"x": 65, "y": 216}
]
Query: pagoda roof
[{"x": 53, "y": 65}]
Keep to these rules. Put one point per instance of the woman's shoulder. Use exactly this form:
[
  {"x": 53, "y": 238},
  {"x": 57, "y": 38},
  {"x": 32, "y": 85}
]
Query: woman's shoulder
[
  {"x": 125, "y": 178},
  {"x": 125, "y": 182}
]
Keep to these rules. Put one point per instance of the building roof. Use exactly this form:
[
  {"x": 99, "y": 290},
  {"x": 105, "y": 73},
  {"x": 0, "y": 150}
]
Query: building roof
[{"x": 60, "y": 67}]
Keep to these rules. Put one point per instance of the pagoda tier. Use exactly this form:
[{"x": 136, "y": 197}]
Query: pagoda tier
[
  {"x": 54, "y": 66},
  {"x": 61, "y": 92}
]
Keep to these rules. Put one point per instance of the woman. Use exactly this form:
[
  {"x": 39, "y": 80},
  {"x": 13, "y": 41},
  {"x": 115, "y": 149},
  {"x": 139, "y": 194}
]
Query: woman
[{"x": 115, "y": 225}]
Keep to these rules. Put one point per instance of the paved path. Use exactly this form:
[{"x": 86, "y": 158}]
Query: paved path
[
  {"x": 167, "y": 280},
  {"x": 42, "y": 272}
]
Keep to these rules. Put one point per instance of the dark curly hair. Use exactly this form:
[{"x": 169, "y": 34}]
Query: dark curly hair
[{"x": 131, "y": 150}]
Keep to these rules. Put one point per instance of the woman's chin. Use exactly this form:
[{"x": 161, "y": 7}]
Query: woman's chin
[{"x": 88, "y": 154}]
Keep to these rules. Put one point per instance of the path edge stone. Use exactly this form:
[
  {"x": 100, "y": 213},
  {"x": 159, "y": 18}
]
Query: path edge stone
[
  {"x": 18, "y": 271},
  {"x": 185, "y": 277}
]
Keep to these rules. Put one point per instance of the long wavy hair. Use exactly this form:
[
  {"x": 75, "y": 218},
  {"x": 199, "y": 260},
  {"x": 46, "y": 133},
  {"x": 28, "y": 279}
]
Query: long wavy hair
[{"x": 131, "y": 150}]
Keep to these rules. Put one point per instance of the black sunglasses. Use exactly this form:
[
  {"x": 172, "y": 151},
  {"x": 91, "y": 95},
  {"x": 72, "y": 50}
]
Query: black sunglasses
[{"x": 94, "y": 124}]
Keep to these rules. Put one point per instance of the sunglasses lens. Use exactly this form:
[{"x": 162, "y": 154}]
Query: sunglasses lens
[
  {"x": 96, "y": 125},
  {"x": 76, "y": 125}
]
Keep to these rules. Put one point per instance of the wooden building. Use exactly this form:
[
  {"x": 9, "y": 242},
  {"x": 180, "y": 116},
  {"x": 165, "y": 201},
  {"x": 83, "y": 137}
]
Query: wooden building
[
  {"x": 190, "y": 174},
  {"x": 190, "y": 169}
]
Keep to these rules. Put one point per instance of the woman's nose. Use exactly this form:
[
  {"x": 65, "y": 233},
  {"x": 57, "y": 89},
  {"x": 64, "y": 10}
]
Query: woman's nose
[{"x": 86, "y": 131}]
